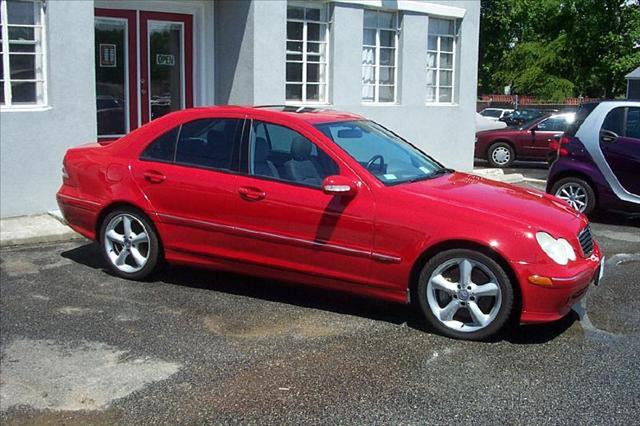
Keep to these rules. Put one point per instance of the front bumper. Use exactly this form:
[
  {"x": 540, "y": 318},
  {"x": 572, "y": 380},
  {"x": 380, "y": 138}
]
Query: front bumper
[{"x": 568, "y": 285}]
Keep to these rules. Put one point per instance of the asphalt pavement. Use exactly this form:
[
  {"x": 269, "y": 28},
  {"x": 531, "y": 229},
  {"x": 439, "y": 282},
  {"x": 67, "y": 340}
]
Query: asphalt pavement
[{"x": 80, "y": 346}]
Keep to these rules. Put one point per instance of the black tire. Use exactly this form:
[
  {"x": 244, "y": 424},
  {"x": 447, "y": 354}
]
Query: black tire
[
  {"x": 591, "y": 200},
  {"x": 504, "y": 312},
  {"x": 153, "y": 250},
  {"x": 504, "y": 148}
]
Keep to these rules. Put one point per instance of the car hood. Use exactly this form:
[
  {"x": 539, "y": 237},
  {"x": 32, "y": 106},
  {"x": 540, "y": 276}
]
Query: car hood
[{"x": 529, "y": 208}]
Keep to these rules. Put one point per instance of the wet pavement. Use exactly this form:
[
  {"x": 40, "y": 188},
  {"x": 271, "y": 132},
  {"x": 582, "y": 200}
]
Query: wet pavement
[{"x": 80, "y": 346}]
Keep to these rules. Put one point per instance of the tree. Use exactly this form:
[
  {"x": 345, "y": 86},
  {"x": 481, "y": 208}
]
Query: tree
[{"x": 553, "y": 49}]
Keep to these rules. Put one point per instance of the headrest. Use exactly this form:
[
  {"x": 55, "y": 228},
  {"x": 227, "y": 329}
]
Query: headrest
[
  {"x": 262, "y": 150},
  {"x": 301, "y": 149}
]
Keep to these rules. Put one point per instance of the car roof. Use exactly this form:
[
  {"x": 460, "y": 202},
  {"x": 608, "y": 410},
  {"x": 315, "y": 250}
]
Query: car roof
[{"x": 311, "y": 115}]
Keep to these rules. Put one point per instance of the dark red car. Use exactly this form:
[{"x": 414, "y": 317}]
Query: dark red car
[
  {"x": 529, "y": 141},
  {"x": 333, "y": 200}
]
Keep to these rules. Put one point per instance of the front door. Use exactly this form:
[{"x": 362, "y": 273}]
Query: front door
[
  {"x": 620, "y": 144},
  {"x": 128, "y": 96}
]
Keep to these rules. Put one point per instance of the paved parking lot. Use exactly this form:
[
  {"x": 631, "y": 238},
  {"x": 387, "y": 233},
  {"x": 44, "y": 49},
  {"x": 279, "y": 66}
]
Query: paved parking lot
[{"x": 82, "y": 347}]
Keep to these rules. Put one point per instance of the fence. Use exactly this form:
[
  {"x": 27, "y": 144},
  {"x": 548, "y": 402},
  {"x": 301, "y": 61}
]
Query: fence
[{"x": 513, "y": 101}]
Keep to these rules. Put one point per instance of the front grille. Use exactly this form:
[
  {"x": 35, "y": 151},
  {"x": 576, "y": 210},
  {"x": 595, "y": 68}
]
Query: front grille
[{"x": 586, "y": 241}]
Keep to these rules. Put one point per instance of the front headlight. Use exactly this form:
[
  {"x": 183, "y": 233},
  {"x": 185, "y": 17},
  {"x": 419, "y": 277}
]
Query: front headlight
[{"x": 560, "y": 251}]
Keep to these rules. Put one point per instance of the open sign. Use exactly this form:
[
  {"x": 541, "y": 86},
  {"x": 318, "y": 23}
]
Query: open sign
[{"x": 165, "y": 59}]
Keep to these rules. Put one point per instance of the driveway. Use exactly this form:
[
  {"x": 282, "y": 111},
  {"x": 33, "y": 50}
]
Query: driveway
[{"x": 82, "y": 347}]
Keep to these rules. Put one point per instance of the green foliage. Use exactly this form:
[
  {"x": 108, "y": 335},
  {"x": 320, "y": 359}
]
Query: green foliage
[{"x": 554, "y": 49}]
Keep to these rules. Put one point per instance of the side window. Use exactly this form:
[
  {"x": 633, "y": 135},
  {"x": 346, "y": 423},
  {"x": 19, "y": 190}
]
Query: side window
[
  {"x": 557, "y": 124},
  {"x": 284, "y": 154},
  {"x": 208, "y": 143},
  {"x": 614, "y": 122},
  {"x": 162, "y": 148},
  {"x": 633, "y": 123}
]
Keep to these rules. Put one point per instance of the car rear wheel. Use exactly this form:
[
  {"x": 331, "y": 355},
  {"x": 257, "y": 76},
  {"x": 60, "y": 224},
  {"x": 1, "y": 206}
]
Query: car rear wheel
[
  {"x": 501, "y": 154},
  {"x": 465, "y": 294},
  {"x": 129, "y": 244},
  {"x": 577, "y": 193}
]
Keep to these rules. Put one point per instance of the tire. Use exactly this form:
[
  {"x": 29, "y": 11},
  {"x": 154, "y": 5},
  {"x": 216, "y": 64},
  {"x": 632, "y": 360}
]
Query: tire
[
  {"x": 577, "y": 192},
  {"x": 501, "y": 154},
  {"x": 439, "y": 297},
  {"x": 134, "y": 257}
]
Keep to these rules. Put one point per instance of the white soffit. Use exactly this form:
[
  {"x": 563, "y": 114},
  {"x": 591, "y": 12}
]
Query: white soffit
[{"x": 411, "y": 5}]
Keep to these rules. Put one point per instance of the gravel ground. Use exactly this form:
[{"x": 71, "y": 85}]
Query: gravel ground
[{"x": 82, "y": 347}]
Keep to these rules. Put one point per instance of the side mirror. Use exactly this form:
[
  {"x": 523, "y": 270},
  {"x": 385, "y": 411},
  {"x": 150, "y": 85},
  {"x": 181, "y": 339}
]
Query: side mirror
[
  {"x": 607, "y": 136},
  {"x": 339, "y": 185}
]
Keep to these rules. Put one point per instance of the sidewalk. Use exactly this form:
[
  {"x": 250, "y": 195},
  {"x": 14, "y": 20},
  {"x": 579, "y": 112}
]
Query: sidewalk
[
  {"x": 499, "y": 175},
  {"x": 35, "y": 229}
]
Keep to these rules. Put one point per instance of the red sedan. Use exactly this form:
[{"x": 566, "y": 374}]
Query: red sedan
[
  {"x": 333, "y": 200},
  {"x": 529, "y": 141}
]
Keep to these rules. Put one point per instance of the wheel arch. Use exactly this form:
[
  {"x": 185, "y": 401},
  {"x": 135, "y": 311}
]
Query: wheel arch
[
  {"x": 470, "y": 245},
  {"x": 501, "y": 140},
  {"x": 577, "y": 174},
  {"x": 125, "y": 204}
]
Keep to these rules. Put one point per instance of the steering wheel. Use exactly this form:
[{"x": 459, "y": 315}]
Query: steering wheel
[{"x": 375, "y": 158}]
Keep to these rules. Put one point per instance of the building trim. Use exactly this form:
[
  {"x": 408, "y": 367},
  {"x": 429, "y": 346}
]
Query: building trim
[{"x": 411, "y": 6}]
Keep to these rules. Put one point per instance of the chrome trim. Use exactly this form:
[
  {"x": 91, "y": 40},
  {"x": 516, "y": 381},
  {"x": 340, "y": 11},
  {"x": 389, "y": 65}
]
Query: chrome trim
[{"x": 197, "y": 223}]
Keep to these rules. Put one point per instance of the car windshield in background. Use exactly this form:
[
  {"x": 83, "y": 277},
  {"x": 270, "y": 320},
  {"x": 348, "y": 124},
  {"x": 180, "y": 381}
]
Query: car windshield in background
[
  {"x": 491, "y": 113},
  {"x": 389, "y": 158}
]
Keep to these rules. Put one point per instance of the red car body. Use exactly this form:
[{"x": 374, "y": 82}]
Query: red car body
[{"x": 372, "y": 244}]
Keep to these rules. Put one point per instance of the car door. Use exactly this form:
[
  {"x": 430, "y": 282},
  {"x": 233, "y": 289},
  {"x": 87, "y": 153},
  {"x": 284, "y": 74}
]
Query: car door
[
  {"x": 188, "y": 175},
  {"x": 544, "y": 132},
  {"x": 620, "y": 145},
  {"x": 289, "y": 222}
]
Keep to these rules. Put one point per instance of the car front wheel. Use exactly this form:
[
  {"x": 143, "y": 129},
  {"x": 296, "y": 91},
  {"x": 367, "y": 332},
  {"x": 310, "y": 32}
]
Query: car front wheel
[
  {"x": 501, "y": 154},
  {"x": 129, "y": 244},
  {"x": 465, "y": 294},
  {"x": 577, "y": 193}
]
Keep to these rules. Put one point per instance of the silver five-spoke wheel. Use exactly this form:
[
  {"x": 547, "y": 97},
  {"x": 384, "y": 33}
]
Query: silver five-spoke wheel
[
  {"x": 574, "y": 194},
  {"x": 463, "y": 294},
  {"x": 127, "y": 243}
]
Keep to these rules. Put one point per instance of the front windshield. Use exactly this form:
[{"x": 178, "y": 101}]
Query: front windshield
[
  {"x": 388, "y": 157},
  {"x": 491, "y": 113}
]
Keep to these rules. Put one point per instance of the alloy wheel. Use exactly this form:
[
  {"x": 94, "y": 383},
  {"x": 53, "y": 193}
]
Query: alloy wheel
[
  {"x": 574, "y": 194},
  {"x": 464, "y": 295},
  {"x": 127, "y": 243}
]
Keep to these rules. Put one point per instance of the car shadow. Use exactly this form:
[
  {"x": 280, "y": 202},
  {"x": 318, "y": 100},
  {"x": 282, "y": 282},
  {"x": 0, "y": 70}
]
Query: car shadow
[
  {"x": 616, "y": 218},
  {"x": 312, "y": 297}
]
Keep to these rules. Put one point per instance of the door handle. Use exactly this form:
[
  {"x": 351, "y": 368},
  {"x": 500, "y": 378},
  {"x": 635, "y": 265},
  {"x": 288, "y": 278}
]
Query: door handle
[
  {"x": 251, "y": 194},
  {"x": 154, "y": 176}
]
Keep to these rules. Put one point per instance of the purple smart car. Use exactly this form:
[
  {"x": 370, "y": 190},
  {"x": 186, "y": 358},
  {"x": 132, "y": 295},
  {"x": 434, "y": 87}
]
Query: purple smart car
[{"x": 598, "y": 159}]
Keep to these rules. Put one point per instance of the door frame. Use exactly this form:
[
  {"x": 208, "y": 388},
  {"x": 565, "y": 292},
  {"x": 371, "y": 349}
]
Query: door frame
[{"x": 187, "y": 68}]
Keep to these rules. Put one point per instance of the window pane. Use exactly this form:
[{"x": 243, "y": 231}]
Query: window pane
[
  {"x": 386, "y": 20},
  {"x": 368, "y": 75},
  {"x": 431, "y": 77},
  {"x": 313, "y": 92},
  {"x": 295, "y": 12},
  {"x": 431, "y": 93},
  {"x": 21, "y": 33},
  {"x": 368, "y": 56},
  {"x": 294, "y": 92},
  {"x": 294, "y": 46},
  {"x": 446, "y": 60},
  {"x": 162, "y": 148},
  {"x": 27, "y": 48},
  {"x": 369, "y": 37},
  {"x": 446, "y": 78},
  {"x": 22, "y": 13},
  {"x": 445, "y": 95},
  {"x": 294, "y": 57},
  {"x": 370, "y": 19},
  {"x": 313, "y": 73},
  {"x": 386, "y": 93},
  {"x": 23, "y": 67},
  {"x": 110, "y": 66},
  {"x": 441, "y": 26},
  {"x": 2, "y": 92},
  {"x": 313, "y": 14},
  {"x": 319, "y": 48},
  {"x": 294, "y": 30},
  {"x": 614, "y": 122},
  {"x": 315, "y": 32},
  {"x": 312, "y": 57},
  {"x": 633, "y": 123},
  {"x": 387, "y": 38},
  {"x": 207, "y": 143},
  {"x": 387, "y": 56},
  {"x": 387, "y": 75},
  {"x": 432, "y": 43},
  {"x": 446, "y": 44},
  {"x": 23, "y": 92},
  {"x": 294, "y": 72},
  {"x": 1, "y": 66},
  {"x": 431, "y": 60},
  {"x": 368, "y": 92}
]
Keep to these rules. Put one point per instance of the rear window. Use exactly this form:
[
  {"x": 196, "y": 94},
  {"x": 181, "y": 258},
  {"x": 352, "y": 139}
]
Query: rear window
[{"x": 581, "y": 114}]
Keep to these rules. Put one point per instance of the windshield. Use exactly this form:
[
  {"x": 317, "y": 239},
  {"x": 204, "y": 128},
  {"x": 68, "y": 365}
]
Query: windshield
[
  {"x": 491, "y": 113},
  {"x": 385, "y": 155}
]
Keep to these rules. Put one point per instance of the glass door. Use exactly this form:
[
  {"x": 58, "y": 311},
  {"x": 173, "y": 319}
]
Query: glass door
[{"x": 166, "y": 78}]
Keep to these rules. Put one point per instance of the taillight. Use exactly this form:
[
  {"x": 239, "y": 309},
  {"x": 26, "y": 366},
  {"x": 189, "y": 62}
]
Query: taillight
[
  {"x": 563, "y": 151},
  {"x": 65, "y": 175}
]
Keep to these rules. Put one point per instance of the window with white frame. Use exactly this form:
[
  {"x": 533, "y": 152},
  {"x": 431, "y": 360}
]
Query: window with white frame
[
  {"x": 22, "y": 61},
  {"x": 379, "y": 56},
  {"x": 306, "y": 74},
  {"x": 441, "y": 59}
]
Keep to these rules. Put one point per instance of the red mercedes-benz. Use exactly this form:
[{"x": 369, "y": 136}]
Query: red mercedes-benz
[{"x": 333, "y": 200}]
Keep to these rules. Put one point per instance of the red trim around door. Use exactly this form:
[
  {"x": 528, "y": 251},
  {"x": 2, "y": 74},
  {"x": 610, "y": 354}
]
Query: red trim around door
[
  {"x": 187, "y": 20},
  {"x": 132, "y": 47}
]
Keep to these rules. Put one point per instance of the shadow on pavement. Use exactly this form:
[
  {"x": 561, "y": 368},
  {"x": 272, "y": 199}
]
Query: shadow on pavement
[{"x": 312, "y": 297}]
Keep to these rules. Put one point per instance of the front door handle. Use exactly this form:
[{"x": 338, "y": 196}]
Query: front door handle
[
  {"x": 251, "y": 193},
  {"x": 154, "y": 176}
]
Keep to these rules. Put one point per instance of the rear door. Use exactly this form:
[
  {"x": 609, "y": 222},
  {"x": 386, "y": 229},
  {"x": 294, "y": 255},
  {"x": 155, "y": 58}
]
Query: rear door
[
  {"x": 189, "y": 176},
  {"x": 620, "y": 145},
  {"x": 544, "y": 132}
]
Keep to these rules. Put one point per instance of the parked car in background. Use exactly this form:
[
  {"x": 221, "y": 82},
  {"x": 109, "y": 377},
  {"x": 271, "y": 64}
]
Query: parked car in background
[
  {"x": 333, "y": 200},
  {"x": 521, "y": 116},
  {"x": 483, "y": 123},
  {"x": 598, "y": 159},
  {"x": 495, "y": 114},
  {"x": 527, "y": 142}
]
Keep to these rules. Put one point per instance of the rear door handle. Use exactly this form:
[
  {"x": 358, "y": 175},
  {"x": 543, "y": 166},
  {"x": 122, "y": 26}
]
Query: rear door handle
[
  {"x": 154, "y": 176},
  {"x": 251, "y": 194}
]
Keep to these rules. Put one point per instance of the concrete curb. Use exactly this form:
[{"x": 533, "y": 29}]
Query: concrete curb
[
  {"x": 498, "y": 174},
  {"x": 35, "y": 229}
]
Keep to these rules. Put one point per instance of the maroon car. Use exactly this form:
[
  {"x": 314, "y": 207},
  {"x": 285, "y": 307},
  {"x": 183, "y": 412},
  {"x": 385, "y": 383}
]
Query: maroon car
[{"x": 529, "y": 141}]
